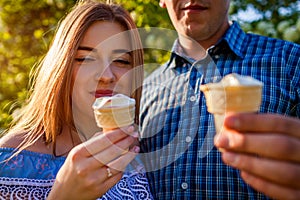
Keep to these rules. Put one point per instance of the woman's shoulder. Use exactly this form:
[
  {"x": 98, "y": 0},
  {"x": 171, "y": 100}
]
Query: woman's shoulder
[
  {"x": 11, "y": 141},
  {"x": 15, "y": 140}
]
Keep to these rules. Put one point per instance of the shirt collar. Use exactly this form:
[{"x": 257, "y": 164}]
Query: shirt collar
[
  {"x": 178, "y": 56},
  {"x": 235, "y": 38}
]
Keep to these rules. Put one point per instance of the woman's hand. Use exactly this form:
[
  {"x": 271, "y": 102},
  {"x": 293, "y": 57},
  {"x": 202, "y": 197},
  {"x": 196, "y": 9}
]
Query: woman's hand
[
  {"x": 266, "y": 148},
  {"x": 94, "y": 166}
]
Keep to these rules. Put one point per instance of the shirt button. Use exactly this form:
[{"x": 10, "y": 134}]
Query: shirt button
[
  {"x": 184, "y": 185},
  {"x": 188, "y": 139},
  {"x": 217, "y": 56},
  {"x": 192, "y": 98}
]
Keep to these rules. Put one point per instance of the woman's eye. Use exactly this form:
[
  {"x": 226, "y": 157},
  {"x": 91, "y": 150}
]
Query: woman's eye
[
  {"x": 84, "y": 59},
  {"x": 122, "y": 62}
]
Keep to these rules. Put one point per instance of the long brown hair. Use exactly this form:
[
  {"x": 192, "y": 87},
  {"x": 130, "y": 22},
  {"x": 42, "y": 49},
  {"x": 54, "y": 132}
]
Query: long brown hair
[{"x": 49, "y": 106}]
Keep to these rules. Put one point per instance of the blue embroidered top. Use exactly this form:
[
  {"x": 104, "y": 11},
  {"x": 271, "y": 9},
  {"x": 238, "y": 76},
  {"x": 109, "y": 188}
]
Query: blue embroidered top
[
  {"x": 177, "y": 131},
  {"x": 30, "y": 175}
]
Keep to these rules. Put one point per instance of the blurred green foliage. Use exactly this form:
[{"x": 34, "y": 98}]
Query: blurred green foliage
[
  {"x": 26, "y": 30},
  {"x": 27, "y": 27},
  {"x": 274, "y": 18}
]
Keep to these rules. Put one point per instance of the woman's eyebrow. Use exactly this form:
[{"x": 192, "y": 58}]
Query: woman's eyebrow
[
  {"x": 117, "y": 51},
  {"x": 85, "y": 48}
]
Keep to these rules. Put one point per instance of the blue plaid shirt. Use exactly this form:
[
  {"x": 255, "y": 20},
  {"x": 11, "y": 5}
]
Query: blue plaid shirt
[{"x": 177, "y": 131}]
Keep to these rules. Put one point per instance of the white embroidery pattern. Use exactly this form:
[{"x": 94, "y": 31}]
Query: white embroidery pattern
[
  {"x": 133, "y": 186},
  {"x": 22, "y": 188}
]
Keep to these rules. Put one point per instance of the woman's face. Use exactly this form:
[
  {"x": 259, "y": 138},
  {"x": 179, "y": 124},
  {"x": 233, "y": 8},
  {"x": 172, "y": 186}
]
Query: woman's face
[{"x": 103, "y": 64}]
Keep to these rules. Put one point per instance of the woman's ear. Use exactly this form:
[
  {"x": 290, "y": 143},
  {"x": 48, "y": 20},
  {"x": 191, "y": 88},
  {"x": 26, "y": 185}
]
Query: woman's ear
[{"x": 162, "y": 3}]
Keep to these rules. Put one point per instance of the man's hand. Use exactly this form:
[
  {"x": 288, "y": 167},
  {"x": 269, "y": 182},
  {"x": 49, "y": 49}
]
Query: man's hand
[{"x": 266, "y": 148}]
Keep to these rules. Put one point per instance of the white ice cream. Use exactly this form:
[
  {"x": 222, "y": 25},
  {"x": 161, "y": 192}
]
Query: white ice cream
[
  {"x": 118, "y": 100},
  {"x": 239, "y": 80}
]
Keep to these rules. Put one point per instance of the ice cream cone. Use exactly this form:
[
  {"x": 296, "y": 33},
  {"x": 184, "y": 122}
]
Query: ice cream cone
[
  {"x": 114, "y": 112},
  {"x": 234, "y": 93}
]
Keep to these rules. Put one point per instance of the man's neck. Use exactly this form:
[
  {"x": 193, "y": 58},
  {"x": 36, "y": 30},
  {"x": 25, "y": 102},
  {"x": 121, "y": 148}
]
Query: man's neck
[
  {"x": 198, "y": 49},
  {"x": 192, "y": 48}
]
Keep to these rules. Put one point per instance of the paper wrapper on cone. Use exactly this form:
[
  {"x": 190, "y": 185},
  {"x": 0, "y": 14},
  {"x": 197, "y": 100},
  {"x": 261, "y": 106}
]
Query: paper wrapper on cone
[
  {"x": 234, "y": 93},
  {"x": 114, "y": 112}
]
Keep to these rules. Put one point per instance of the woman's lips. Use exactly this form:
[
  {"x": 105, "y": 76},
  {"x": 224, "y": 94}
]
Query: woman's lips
[{"x": 103, "y": 93}]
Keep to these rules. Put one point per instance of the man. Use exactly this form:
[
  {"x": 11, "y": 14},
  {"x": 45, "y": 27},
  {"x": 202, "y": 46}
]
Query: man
[{"x": 260, "y": 153}]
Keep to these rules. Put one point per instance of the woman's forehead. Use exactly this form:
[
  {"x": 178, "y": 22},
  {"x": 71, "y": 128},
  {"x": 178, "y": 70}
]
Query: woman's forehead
[{"x": 106, "y": 35}]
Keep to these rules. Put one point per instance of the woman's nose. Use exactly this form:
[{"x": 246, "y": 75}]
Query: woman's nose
[{"x": 106, "y": 75}]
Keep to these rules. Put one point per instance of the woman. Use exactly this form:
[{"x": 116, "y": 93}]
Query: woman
[{"x": 55, "y": 150}]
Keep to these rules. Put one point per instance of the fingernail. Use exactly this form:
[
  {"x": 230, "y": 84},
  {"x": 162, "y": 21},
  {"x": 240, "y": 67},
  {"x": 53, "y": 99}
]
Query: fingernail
[
  {"x": 130, "y": 129},
  {"x": 135, "y": 134},
  {"x": 136, "y": 149}
]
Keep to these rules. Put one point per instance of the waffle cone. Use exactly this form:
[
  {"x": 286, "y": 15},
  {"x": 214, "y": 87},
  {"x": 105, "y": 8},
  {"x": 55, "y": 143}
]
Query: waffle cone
[
  {"x": 220, "y": 100},
  {"x": 114, "y": 117}
]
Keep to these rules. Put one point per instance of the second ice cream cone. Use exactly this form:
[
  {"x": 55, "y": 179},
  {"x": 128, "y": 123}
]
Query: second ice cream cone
[{"x": 234, "y": 93}]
